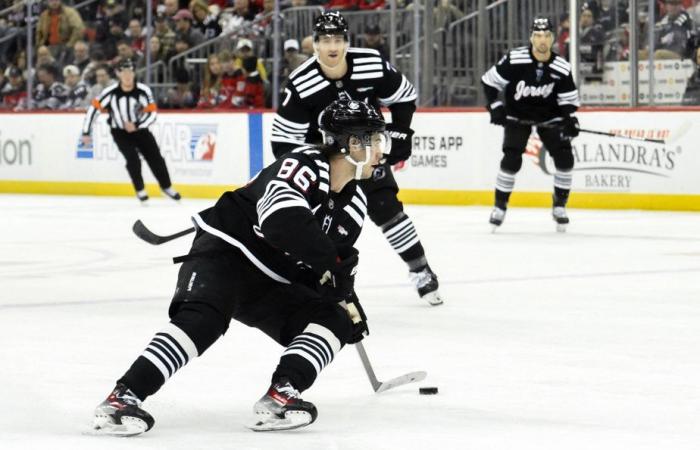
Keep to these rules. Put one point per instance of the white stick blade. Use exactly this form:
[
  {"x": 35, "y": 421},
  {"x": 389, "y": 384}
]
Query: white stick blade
[{"x": 400, "y": 381}]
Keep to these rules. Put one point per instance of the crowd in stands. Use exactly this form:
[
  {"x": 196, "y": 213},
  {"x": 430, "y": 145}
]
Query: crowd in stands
[{"x": 75, "y": 51}]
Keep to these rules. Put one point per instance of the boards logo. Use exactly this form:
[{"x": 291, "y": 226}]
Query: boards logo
[
  {"x": 15, "y": 152},
  {"x": 184, "y": 142}
]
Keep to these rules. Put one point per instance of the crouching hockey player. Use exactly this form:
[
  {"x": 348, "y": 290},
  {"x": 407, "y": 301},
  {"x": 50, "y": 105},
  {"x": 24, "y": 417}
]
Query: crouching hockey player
[
  {"x": 538, "y": 89},
  {"x": 276, "y": 255}
]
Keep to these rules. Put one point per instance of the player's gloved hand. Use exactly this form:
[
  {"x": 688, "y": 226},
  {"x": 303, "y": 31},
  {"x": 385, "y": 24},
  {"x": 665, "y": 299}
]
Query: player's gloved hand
[
  {"x": 570, "y": 127},
  {"x": 498, "y": 113},
  {"x": 358, "y": 318},
  {"x": 339, "y": 283},
  {"x": 401, "y": 143}
]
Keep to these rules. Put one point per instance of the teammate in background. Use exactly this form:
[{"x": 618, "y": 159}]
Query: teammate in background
[
  {"x": 339, "y": 71},
  {"x": 276, "y": 255},
  {"x": 131, "y": 110},
  {"x": 539, "y": 89}
]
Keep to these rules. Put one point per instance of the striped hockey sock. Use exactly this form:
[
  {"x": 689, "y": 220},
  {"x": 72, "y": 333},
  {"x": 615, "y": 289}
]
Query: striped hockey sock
[
  {"x": 505, "y": 181},
  {"x": 307, "y": 355},
  {"x": 168, "y": 351},
  {"x": 562, "y": 186},
  {"x": 403, "y": 238}
]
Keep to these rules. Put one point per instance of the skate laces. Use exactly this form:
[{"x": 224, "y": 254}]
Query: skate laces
[
  {"x": 422, "y": 278},
  {"x": 123, "y": 396},
  {"x": 283, "y": 393}
]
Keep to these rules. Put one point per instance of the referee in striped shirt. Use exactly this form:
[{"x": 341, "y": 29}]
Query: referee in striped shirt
[{"x": 131, "y": 110}]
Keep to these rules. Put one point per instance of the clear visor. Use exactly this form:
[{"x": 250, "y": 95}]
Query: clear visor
[{"x": 377, "y": 141}]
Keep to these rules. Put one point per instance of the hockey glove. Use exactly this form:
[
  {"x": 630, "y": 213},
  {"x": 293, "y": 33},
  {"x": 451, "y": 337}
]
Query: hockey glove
[
  {"x": 569, "y": 128},
  {"x": 401, "y": 143},
  {"x": 498, "y": 113},
  {"x": 340, "y": 282},
  {"x": 358, "y": 318}
]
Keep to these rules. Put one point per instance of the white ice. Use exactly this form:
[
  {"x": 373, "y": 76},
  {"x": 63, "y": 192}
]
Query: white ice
[{"x": 583, "y": 340}]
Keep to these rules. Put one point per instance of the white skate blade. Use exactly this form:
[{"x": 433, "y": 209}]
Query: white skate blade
[
  {"x": 433, "y": 298},
  {"x": 130, "y": 426},
  {"x": 292, "y": 420},
  {"x": 400, "y": 381}
]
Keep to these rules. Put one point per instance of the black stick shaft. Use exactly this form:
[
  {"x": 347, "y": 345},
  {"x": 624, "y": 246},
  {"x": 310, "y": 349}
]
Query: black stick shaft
[
  {"x": 143, "y": 233},
  {"x": 581, "y": 130}
]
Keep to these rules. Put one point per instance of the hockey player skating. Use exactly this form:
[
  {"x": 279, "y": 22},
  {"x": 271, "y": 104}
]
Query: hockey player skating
[
  {"x": 339, "y": 71},
  {"x": 276, "y": 255},
  {"x": 538, "y": 88},
  {"x": 131, "y": 110}
]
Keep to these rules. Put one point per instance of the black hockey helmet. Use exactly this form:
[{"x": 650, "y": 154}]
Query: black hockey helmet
[
  {"x": 345, "y": 118},
  {"x": 330, "y": 23},
  {"x": 541, "y": 23}
]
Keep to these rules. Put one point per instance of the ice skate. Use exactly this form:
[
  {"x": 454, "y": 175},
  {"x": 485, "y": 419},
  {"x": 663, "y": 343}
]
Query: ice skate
[
  {"x": 142, "y": 195},
  {"x": 496, "y": 218},
  {"x": 282, "y": 409},
  {"x": 172, "y": 193},
  {"x": 121, "y": 414},
  {"x": 426, "y": 283},
  {"x": 560, "y": 217}
]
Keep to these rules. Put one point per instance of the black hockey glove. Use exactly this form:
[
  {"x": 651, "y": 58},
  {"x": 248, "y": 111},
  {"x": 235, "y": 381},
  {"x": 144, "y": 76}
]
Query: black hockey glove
[
  {"x": 569, "y": 127},
  {"x": 339, "y": 283},
  {"x": 498, "y": 113},
  {"x": 401, "y": 143},
  {"x": 358, "y": 318}
]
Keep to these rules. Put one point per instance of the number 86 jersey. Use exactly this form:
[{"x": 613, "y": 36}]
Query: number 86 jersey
[{"x": 287, "y": 219}]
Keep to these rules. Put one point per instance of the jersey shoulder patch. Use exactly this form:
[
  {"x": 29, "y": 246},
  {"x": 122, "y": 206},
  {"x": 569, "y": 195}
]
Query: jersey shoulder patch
[
  {"x": 560, "y": 65},
  {"x": 520, "y": 55}
]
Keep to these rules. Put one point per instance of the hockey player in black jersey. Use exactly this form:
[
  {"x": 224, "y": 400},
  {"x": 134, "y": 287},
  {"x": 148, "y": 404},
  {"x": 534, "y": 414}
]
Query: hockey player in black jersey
[
  {"x": 276, "y": 255},
  {"x": 339, "y": 71},
  {"x": 538, "y": 88}
]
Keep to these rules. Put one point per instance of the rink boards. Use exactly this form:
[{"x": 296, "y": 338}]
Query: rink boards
[{"x": 455, "y": 158}]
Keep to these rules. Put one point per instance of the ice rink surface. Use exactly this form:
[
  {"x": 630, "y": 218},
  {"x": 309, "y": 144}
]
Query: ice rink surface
[{"x": 583, "y": 340}]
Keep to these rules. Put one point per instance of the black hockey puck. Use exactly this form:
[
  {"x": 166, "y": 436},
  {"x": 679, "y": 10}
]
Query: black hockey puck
[{"x": 428, "y": 390}]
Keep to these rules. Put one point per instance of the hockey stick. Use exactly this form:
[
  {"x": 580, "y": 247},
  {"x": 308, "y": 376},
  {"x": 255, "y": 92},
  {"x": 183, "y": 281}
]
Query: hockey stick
[
  {"x": 147, "y": 235},
  {"x": 381, "y": 386},
  {"x": 581, "y": 130}
]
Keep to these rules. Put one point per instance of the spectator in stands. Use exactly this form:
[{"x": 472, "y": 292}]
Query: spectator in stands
[
  {"x": 59, "y": 27},
  {"x": 204, "y": 22},
  {"x": 210, "y": 95},
  {"x": 157, "y": 52},
  {"x": 694, "y": 12},
  {"x": 254, "y": 90},
  {"x": 307, "y": 46},
  {"x": 165, "y": 35},
  {"x": 81, "y": 55},
  {"x": 14, "y": 93},
  {"x": 171, "y": 7},
  {"x": 619, "y": 44},
  {"x": 673, "y": 32},
  {"x": 8, "y": 44},
  {"x": 229, "y": 74},
  {"x": 49, "y": 92},
  {"x": 116, "y": 34},
  {"x": 185, "y": 31},
  {"x": 611, "y": 16},
  {"x": 44, "y": 56},
  {"x": 3, "y": 79},
  {"x": 692, "y": 89},
  {"x": 244, "y": 49},
  {"x": 292, "y": 57},
  {"x": 374, "y": 40},
  {"x": 341, "y": 5},
  {"x": 591, "y": 41},
  {"x": 181, "y": 45},
  {"x": 77, "y": 89},
  {"x": 240, "y": 17},
  {"x": 102, "y": 80},
  {"x": 97, "y": 58},
  {"x": 562, "y": 45},
  {"x": 182, "y": 95},
  {"x": 365, "y": 5},
  {"x": 446, "y": 13},
  {"x": 136, "y": 35},
  {"x": 126, "y": 51}
]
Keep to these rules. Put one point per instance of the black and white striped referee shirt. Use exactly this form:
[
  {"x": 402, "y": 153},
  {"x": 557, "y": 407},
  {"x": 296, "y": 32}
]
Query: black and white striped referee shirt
[
  {"x": 370, "y": 78},
  {"x": 136, "y": 106}
]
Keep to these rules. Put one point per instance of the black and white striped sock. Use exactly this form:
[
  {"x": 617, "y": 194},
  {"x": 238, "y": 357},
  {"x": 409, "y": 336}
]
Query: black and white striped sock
[
  {"x": 168, "y": 351},
  {"x": 307, "y": 355},
  {"x": 562, "y": 186},
  {"x": 403, "y": 238}
]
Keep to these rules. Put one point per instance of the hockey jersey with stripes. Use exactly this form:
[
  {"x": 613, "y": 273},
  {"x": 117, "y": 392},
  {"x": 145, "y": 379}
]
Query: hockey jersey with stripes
[
  {"x": 369, "y": 78},
  {"x": 534, "y": 90},
  {"x": 287, "y": 220},
  {"x": 136, "y": 106}
]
